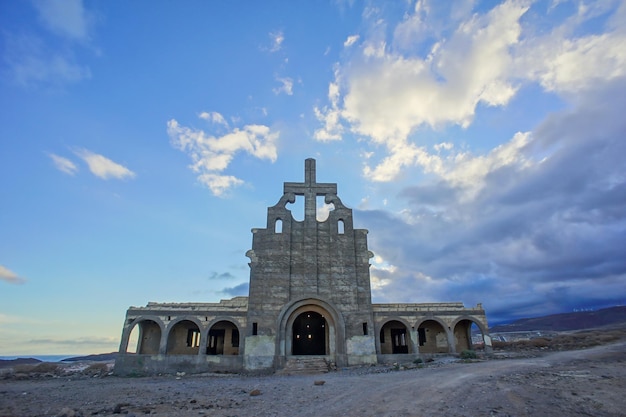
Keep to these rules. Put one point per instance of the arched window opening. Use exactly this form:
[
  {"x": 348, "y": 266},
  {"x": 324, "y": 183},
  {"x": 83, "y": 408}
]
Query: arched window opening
[
  {"x": 322, "y": 209},
  {"x": 297, "y": 208},
  {"x": 223, "y": 339},
  {"x": 278, "y": 226},
  {"x": 340, "y": 227}
]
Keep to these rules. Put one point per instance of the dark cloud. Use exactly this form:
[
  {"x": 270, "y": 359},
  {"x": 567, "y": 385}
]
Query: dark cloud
[
  {"x": 238, "y": 290},
  {"x": 537, "y": 239},
  {"x": 223, "y": 275}
]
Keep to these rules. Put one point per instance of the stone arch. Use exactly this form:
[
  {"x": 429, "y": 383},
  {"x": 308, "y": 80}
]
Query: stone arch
[
  {"x": 461, "y": 330},
  {"x": 184, "y": 336},
  {"x": 335, "y": 325},
  {"x": 433, "y": 335},
  {"x": 223, "y": 337},
  {"x": 394, "y": 336},
  {"x": 149, "y": 337}
]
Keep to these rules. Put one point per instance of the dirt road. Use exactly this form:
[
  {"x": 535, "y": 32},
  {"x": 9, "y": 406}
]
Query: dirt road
[{"x": 590, "y": 382}]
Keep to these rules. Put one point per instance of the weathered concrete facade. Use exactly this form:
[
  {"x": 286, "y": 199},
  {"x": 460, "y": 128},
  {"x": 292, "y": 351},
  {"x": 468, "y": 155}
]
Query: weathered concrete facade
[{"x": 309, "y": 296}]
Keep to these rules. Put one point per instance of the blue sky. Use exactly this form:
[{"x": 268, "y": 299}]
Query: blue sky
[{"x": 481, "y": 143}]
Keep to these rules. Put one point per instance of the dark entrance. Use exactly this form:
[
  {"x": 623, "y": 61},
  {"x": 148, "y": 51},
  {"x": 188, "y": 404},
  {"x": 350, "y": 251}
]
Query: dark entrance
[
  {"x": 216, "y": 342},
  {"x": 398, "y": 338},
  {"x": 309, "y": 334}
]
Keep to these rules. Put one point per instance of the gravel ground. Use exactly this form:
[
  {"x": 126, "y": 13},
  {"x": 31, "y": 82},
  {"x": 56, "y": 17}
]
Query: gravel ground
[{"x": 588, "y": 382}]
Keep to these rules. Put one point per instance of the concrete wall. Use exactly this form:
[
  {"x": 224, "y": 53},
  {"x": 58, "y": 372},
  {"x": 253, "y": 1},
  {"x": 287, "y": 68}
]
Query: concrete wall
[{"x": 137, "y": 364}]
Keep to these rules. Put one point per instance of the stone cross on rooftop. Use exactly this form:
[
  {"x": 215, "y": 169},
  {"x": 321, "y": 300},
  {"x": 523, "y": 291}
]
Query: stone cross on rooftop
[{"x": 310, "y": 189}]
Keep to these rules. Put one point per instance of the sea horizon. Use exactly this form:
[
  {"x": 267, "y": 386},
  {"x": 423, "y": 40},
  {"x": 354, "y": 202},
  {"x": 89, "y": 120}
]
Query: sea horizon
[{"x": 43, "y": 358}]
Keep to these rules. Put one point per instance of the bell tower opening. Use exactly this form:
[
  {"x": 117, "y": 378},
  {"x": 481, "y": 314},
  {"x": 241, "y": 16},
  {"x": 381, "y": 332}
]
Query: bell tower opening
[{"x": 309, "y": 334}]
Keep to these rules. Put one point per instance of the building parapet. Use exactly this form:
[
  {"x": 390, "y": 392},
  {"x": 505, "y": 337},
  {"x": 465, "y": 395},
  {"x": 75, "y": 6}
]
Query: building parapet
[
  {"x": 236, "y": 304},
  {"x": 425, "y": 307}
]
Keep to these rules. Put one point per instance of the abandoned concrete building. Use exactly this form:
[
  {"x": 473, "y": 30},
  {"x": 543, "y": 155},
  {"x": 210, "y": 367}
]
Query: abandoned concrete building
[{"x": 309, "y": 297}]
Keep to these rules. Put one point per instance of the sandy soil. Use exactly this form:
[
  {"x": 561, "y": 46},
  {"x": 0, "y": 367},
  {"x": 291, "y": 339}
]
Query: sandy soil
[{"x": 589, "y": 382}]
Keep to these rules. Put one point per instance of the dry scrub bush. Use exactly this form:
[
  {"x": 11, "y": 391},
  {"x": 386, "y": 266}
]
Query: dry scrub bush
[
  {"x": 46, "y": 368},
  {"x": 23, "y": 368},
  {"x": 96, "y": 369},
  {"x": 40, "y": 368}
]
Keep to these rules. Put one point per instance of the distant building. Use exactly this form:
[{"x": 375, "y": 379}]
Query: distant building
[{"x": 309, "y": 297}]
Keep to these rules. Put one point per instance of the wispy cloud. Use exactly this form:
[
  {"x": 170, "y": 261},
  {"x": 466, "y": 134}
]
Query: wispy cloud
[
  {"x": 68, "y": 18},
  {"x": 63, "y": 164},
  {"x": 33, "y": 63},
  {"x": 81, "y": 341},
  {"x": 286, "y": 86},
  {"x": 277, "y": 39},
  {"x": 9, "y": 276},
  {"x": 103, "y": 167},
  {"x": 212, "y": 155},
  {"x": 223, "y": 275},
  {"x": 38, "y": 61}
]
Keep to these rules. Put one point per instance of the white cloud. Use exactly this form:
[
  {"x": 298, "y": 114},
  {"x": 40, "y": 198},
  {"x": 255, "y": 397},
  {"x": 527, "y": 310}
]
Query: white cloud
[
  {"x": 277, "y": 41},
  {"x": 103, "y": 167},
  {"x": 67, "y": 18},
  {"x": 211, "y": 155},
  {"x": 569, "y": 65},
  {"x": 286, "y": 87},
  {"x": 390, "y": 95},
  {"x": 9, "y": 276},
  {"x": 63, "y": 164},
  {"x": 330, "y": 116},
  {"x": 391, "y": 89},
  {"x": 214, "y": 117},
  {"x": 351, "y": 40},
  {"x": 470, "y": 172}
]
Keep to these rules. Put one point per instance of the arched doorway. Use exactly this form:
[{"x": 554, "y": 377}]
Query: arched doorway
[
  {"x": 334, "y": 326},
  {"x": 223, "y": 339},
  {"x": 432, "y": 337},
  {"x": 183, "y": 338},
  {"x": 310, "y": 334},
  {"x": 144, "y": 338},
  {"x": 468, "y": 335},
  {"x": 394, "y": 338}
]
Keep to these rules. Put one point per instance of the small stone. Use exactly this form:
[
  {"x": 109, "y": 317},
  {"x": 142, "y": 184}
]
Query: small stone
[
  {"x": 255, "y": 392},
  {"x": 68, "y": 412},
  {"x": 320, "y": 382}
]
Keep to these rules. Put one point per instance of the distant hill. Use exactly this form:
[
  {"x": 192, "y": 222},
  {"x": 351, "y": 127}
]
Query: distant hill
[
  {"x": 9, "y": 363},
  {"x": 101, "y": 357},
  {"x": 566, "y": 321}
]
